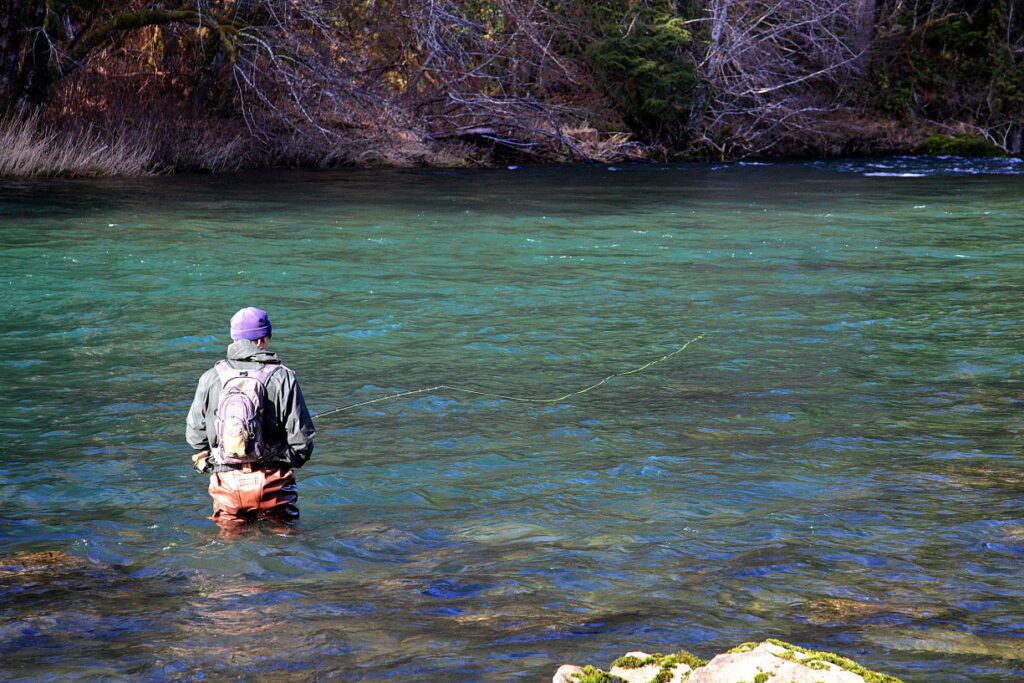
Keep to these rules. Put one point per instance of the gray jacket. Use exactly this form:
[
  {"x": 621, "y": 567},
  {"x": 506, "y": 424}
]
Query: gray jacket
[{"x": 287, "y": 427}]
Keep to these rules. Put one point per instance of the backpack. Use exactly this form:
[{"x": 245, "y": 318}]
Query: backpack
[{"x": 239, "y": 417}]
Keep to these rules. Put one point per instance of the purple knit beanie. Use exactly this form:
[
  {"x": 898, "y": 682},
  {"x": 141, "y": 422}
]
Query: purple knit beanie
[{"x": 250, "y": 323}]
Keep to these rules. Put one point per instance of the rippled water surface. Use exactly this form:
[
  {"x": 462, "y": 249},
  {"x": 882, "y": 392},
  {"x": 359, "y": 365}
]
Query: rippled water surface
[{"x": 836, "y": 463}]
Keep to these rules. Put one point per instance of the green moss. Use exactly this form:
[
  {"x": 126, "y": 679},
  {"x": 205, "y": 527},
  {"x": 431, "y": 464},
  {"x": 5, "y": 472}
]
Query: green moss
[
  {"x": 672, "y": 661},
  {"x": 745, "y": 647},
  {"x": 691, "y": 659},
  {"x": 664, "y": 675},
  {"x": 762, "y": 677},
  {"x": 591, "y": 674},
  {"x": 960, "y": 145},
  {"x": 630, "y": 662},
  {"x": 868, "y": 675}
]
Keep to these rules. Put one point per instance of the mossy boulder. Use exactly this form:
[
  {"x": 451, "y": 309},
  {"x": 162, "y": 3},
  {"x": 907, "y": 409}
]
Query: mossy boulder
[
  {"x": 747, "y": 663},
  {"x": 961, "y": 146}
]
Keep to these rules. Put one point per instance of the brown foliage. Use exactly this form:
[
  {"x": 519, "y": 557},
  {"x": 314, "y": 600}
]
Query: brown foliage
[
  {"x": 226, "y": 83},
  {"x": 776, "y": 72},
  {"x": 219, "y": 84}
]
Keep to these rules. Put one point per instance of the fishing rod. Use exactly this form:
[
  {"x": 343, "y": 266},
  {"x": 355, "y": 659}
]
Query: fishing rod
[{"x": 521, "y": 399}]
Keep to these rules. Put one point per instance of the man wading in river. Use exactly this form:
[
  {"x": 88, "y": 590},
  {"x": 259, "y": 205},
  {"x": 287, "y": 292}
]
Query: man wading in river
[{"x": 250, "y": 427}]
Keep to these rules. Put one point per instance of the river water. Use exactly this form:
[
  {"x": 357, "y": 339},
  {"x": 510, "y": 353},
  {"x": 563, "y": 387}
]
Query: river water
[{"x": 837, "y": 463}]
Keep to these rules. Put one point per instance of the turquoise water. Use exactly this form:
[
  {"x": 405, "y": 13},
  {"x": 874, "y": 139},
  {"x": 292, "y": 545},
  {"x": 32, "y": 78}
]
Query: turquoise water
[{"x": 837, "y": 463}]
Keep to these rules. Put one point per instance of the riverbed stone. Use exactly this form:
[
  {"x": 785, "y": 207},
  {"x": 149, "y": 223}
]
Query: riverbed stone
[
  {"x": 48, "y": 569},
  {"x": 639, "y": 675},
  {"x": 765, "y": 662},
  {"x": 567, "y": 673},
  {"x": 767, "y": 659}
]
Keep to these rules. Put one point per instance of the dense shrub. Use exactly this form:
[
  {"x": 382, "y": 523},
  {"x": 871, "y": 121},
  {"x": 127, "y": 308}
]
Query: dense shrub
[{"x": 645, "y": 68}]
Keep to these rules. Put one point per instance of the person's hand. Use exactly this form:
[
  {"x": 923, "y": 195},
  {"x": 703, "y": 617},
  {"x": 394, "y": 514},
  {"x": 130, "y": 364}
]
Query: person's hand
[{"x": 199, "y": 461}]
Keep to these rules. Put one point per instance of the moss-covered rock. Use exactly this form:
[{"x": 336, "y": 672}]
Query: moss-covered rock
[
  {"x": 570, "y": 673},
  {"x": 746, "y": 663},
  {"x": 640, "y": 667},
  {"x": 961, "y": 146}
]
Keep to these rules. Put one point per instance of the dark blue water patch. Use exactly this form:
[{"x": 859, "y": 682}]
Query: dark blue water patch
[
  {"x": 20, "y": 636},
  {"x": 1013, "y": 548},
  {"x": 450, "y": 588},
  {"x": 443, "y": 611},
  {"x": 960, "y": 456},
  {"x": 925, "y": 166},
  {"x": 575, "y": 633}
]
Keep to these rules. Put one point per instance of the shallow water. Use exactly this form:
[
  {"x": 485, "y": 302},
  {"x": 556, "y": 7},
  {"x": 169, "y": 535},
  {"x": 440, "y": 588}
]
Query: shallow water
[{"x": 837, "y": 463}]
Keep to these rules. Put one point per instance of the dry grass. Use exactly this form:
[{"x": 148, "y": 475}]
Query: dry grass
[
  {"x": 32, "y": 148},
  {"x": 598, "y": 147},
  {"x": 197, "y": 145},
  {"x": 29, "y": 148},
  {"x": 127, "y": 129}
]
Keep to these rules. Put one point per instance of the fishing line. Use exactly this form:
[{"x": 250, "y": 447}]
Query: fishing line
[{"x": 521, "y": 399}]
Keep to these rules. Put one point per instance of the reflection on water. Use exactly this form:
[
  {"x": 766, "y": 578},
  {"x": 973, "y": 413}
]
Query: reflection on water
[{"x": 835, "y": 464}]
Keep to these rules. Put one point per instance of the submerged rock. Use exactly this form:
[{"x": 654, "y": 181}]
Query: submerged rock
[
  {"x": 50, "y": 569},
  {"x": 40, "y": 560},
  {"x": 771, "y": 660},
  {"x": 846, "y": 611}
]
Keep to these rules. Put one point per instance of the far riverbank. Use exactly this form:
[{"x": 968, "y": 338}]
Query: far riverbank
[{"x": 34, "y": 148}]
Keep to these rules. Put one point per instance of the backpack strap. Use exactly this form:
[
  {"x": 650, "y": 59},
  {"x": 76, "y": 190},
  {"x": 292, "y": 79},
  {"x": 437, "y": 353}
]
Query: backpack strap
[
  {"x": 225, "y": 371},
  {"x": 264, "y": 373}
]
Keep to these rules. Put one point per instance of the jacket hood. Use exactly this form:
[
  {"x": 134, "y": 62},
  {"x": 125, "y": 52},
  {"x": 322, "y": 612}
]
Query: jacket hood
[{"x": 244, "y": 349}]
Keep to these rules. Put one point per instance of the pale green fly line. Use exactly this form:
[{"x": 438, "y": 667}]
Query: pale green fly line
[{"x": 521, "y": 399}]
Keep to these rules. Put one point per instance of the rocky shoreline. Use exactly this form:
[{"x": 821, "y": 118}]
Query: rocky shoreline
[{"x": 771, "y": 661}]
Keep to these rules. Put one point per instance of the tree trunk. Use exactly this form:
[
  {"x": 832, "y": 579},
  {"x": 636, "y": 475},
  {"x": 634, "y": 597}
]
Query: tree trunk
[
  {"x": 36, "y": 69},
  {"x": 127, "y": 21},
  {"x": 12, "y": 36},
  {"x": 863, "y": 30}
]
